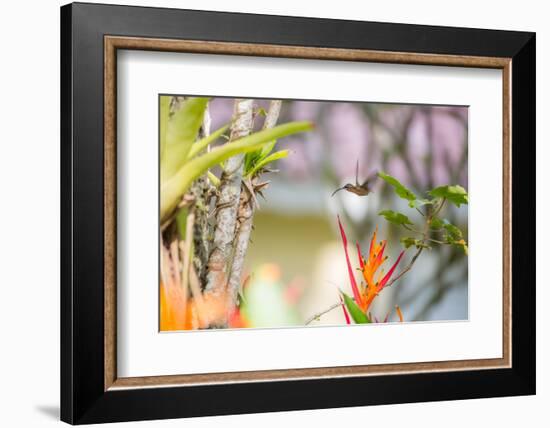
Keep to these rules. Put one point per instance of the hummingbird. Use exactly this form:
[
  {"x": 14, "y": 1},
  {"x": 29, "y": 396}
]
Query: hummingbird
[{"x": 359, "y": 189}]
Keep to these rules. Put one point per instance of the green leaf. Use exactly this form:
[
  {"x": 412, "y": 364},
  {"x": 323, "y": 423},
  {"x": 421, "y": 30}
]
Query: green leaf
[
  {"x": 413, "y": 242},
  {"x": 395, "y": 218},
  {"x": 173, "y": 189},
  {"x": 261, "y": 112},
  {"x": 268, "y": 159},
  {"x": 202, "y": 144},
  {"x": 252, "y": 159},
  {"x": 401, "y": 190},
  {"x": 215, "y": 181},
  {"x": 355, "y": 311},
  {"x": 455, "y": 194},
  {"x": 181, "y": 132},
  {"x": 461, "y": 244},
  {"x": 454, "y": 235},
  {"x": 267, "y": 148},
  {"x": 420, "y": 202},
  {"x": 454, "y": 232},
  {"x": 408, "y": 242},
  {"x": 437, "y": 223},
  {"x": 164, "y": 114},
  {"x": 181, "y": 222}
]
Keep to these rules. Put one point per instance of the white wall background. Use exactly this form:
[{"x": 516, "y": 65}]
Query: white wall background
[{"x": 29, "y": 211}]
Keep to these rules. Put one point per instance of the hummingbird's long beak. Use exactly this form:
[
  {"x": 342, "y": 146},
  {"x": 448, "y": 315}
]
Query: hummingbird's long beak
[{"x": 336, "y": 191}]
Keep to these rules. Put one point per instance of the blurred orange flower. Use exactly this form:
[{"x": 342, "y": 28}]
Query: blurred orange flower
[
  {"x": 179, "y": 313},
  {"x": 175, "y": 312}
]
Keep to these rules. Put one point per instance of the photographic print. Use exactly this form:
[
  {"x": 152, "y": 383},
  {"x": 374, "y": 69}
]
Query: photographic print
[
  {"x": 300, "y": 213},
  {"x": 302, "y": 201}
]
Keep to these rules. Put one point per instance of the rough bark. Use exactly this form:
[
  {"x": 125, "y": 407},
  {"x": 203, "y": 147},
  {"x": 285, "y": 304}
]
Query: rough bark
[
  {"x": 273, "y": 114},
  {"x": 228, "y": 201},
  {"x": 246, "y": 215},
  {"x": 202, "y": 230}
]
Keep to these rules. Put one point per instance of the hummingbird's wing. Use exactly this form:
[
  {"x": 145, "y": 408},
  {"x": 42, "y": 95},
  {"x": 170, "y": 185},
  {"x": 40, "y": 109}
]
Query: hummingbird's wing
[
  {"x": 357, "y": 173},
  {"x": 370, "y": 179}
]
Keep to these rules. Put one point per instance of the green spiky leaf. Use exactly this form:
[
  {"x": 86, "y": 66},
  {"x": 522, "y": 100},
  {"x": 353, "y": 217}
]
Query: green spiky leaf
[
  {"x": 267, "y": 160},
  {"x": 163, "y": 115},
  {"x": 252, "y": 159},
  {"x": 355, "y": 311},
  {"x": 173, "y": 189},
  {"x": 215, "y": 181},
  {"x": 181, "y": 132},
  {"x": 205, "y": 142},
  {"x": 181, "y": 222},
  {"x": 267, "y": 149}
]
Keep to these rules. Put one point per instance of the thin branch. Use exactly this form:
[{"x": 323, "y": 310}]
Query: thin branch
[
  {"x": 419, "y": 251},
  {"x": 406, "y": 269},
  {"x": 413, "y": 230},
  {"x": 244, "y": 219},
  {"x": 323, "y": 312},
  {"x": 438, "y": 208},
  {"x": 272, "y": 114},
  {"x": 437, "y": 241}
]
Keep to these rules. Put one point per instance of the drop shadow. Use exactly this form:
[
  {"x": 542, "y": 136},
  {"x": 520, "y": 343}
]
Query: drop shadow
[{"x": 51, "y": 411}]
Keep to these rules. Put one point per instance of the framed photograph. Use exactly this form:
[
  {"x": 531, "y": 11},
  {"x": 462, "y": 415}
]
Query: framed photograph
[{"x": 277, "y": 213}]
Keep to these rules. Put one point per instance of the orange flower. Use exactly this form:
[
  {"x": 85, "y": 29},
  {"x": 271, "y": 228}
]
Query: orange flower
[
  {"x": 179, "y": 313},
  {"x": 399, "y": 313},
  {"x": 176, "y": 313},
  {"x": 375, "y": 279},
  {"x": 238, "y": 320}
]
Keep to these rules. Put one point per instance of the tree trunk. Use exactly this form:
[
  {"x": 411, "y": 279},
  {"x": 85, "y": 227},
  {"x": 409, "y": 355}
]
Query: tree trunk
[
  {"x": 246, "y": 216},
  {"x": 202, "y": 230},
  {"x": 228, "y": 201}
]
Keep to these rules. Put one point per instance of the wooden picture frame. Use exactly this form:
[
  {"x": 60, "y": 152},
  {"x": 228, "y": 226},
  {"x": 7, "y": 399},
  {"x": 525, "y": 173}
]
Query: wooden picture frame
[{"x": 90, "y": 389}]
